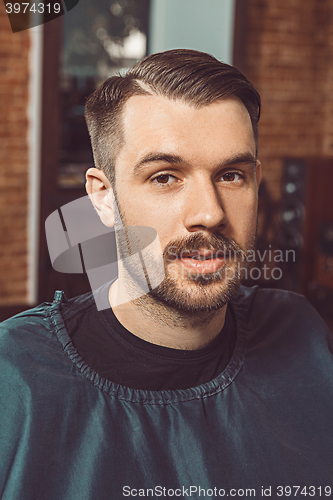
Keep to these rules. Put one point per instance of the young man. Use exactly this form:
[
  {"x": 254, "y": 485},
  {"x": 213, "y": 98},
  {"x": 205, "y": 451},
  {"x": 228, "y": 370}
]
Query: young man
[{"x": 199, "y": 387}]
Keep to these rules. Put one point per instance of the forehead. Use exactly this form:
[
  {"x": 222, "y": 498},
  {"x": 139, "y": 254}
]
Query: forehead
[{"x": 158, "y": 124}]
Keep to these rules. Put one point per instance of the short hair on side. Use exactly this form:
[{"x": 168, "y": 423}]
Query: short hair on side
[{"x": 193, "y": 77}]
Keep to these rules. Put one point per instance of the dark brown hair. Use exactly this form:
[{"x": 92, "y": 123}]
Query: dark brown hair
[{"x": 188, "y": 75}]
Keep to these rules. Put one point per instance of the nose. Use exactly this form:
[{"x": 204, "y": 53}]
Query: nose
[{"x": 204, "y": 208}]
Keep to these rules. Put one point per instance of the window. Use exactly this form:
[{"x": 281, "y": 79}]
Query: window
[{"x": 100, "y": 39}]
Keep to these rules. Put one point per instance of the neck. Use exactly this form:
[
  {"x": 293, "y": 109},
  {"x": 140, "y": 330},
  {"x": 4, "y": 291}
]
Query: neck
[{"x": 159, "y": 324}]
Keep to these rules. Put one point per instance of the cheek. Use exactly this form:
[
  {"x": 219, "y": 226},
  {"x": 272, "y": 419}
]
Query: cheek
[
  {"x": 251, "y": 210},
  {"x": 242, "y": 215},
  {"x": 141, "y": 211}
]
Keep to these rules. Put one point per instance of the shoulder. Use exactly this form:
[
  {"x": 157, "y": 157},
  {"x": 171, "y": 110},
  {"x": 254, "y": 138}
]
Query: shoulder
[
  {"x": 27, "y": 344},
  {"x": 280, "y": 312},
  {"x": 255, "y": 295},
  {"x": 270, "y": 303},
  {"x": 26, "y": 341},
  {"x": 26, "y": 327},
  {"x": 39, "y": 322},
  {"x": 31, "y": 338}
]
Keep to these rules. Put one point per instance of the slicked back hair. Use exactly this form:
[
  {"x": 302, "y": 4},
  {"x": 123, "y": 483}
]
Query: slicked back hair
[{"x": 193, "y": 77}]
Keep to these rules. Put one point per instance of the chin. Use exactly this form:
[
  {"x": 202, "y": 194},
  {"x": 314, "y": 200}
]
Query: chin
[{"x": 198, "y": 294}]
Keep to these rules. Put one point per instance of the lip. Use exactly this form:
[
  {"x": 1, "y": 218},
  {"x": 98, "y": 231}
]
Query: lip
[
  {"x": 211, "y": 265},
  {"x": 202, "y": 253}
]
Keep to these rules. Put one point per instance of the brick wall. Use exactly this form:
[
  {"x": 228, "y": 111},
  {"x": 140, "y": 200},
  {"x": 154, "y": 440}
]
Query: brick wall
[
  {"x": 289, "y": 60},
  {"x": 14, "y": 61},
  {"x": 328, "y": 111}
]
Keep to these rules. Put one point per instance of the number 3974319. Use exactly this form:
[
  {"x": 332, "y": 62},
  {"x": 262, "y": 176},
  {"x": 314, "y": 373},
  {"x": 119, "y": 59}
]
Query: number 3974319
[{"x": 40, "y": 8}]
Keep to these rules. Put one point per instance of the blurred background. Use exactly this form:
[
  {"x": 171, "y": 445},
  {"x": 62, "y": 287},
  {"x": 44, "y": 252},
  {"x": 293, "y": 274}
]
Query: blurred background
[{"x": 284, "y": 47}]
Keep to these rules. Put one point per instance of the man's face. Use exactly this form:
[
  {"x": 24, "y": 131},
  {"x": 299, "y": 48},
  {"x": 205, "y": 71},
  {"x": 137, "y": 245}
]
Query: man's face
[{"x": 191, "y": 174}]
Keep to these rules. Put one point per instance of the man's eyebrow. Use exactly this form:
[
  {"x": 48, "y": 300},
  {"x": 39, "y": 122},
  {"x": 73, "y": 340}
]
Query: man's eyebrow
[
  {"x": 157, "y": 157},
  {"x": 242, "y": 158}
]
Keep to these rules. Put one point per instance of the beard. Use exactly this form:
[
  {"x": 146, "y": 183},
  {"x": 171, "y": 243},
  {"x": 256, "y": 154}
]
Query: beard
[
  {"x": 185, "y": 292},
  {"x": 193, "y": 292}
]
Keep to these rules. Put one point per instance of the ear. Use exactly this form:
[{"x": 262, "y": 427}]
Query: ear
[
  {"x": 100, "y": 192},
  {"x": 258, "y": 172}
]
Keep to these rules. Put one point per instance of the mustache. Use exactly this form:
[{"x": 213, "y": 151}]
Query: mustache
[{"x": 199, "y": 241}]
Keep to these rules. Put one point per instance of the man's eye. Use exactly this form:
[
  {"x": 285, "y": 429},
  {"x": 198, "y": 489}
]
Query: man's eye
[
  {"x": 164, "y": 179},
  {"x": 231, "y": 177}
]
